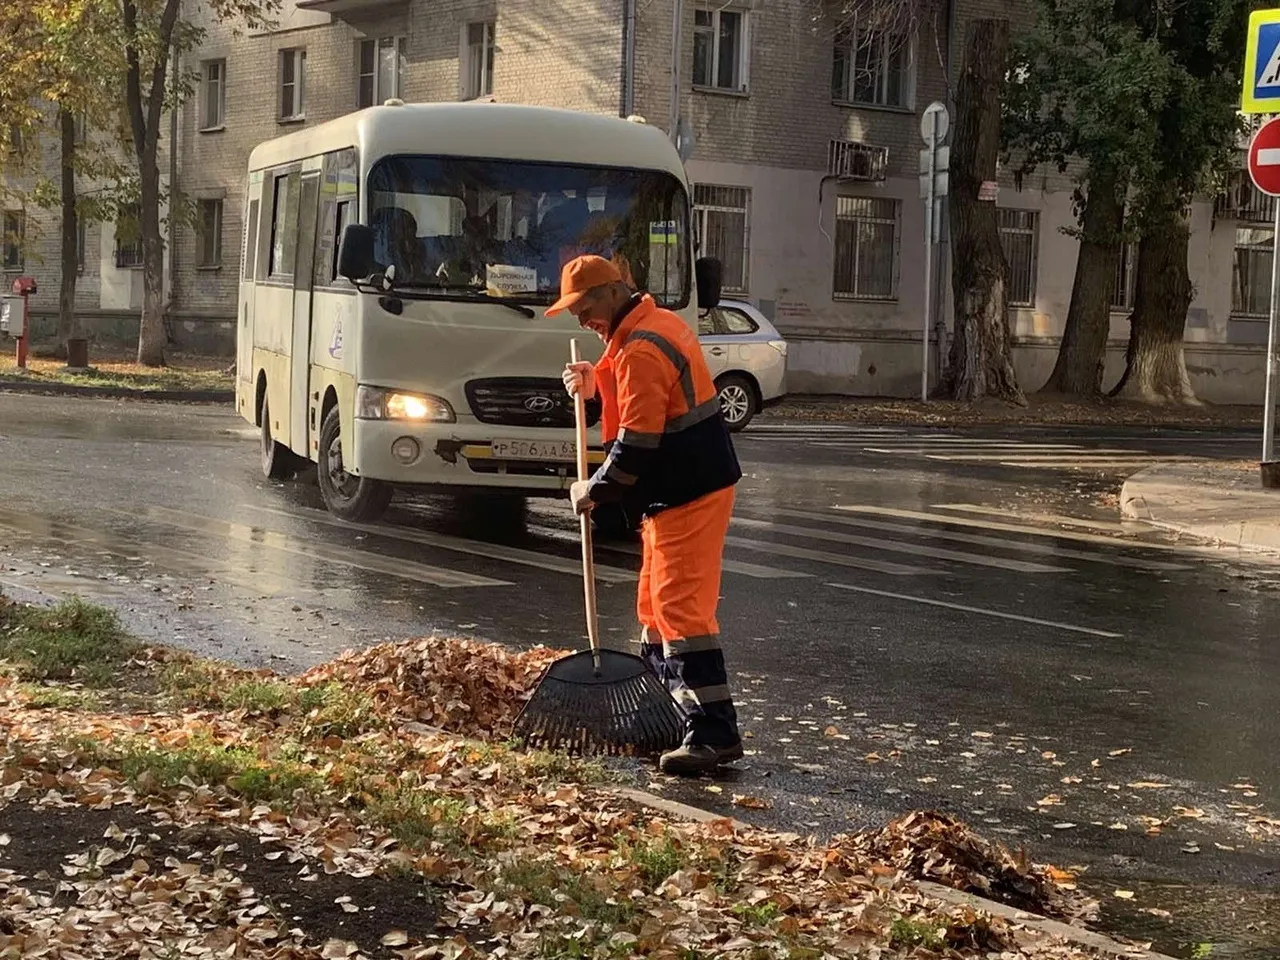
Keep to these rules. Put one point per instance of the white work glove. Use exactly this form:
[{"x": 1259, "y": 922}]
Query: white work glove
[{"x": 580, "y": 378}]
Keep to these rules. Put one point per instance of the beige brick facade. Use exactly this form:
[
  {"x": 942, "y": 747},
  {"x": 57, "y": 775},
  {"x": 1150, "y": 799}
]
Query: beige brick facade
[{"x": 770, "y": 136}]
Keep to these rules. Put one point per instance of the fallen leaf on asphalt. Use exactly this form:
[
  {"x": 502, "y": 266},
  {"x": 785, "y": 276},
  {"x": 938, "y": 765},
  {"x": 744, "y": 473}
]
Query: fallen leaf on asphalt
[
  {"x": 1052, "y": 800},
  {"x": 1149, "y": 785},
  {"x": 714, "y": 788},
  {"x": 1121, "y": 752},
  {"x": 338, "y": 949},
  {"x": 751, "y": 803},
  {"x": 1191, "y": 848},
  {"x": 982, "y": 734},
  {"x": 1124, "y": 894},
  {"x": 1048, "y": 755},
  {"x": 396, "y": 938},
  {"x": 1190, "y": 813},
  {"x": 1064, "y": 826},
  {"x": 1157, "y": 912},
  {"x": 1118, "y": 826},
  {"x": 4, "y": 839}
]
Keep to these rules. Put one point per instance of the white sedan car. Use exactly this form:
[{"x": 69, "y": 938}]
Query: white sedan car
[{"x": 747, "y": 357}]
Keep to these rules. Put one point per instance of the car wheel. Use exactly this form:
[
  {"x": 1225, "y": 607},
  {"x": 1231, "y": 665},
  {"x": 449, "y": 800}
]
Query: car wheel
[
  {"x": 737, "y": 401},
  {"x": 278, "y": 461},
  {"x": 347, "y": 497}
]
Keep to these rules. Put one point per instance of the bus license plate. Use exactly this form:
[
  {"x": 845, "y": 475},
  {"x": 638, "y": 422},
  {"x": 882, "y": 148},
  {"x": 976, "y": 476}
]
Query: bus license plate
[{"x": 556, "y": 450}]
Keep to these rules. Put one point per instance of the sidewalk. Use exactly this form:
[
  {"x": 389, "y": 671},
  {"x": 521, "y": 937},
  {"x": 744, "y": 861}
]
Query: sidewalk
[{"x": 1222, "y": 502}]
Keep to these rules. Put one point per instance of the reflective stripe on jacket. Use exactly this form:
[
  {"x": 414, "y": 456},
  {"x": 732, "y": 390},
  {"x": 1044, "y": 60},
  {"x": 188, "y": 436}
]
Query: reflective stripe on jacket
[{"x": 667, "y": 440}]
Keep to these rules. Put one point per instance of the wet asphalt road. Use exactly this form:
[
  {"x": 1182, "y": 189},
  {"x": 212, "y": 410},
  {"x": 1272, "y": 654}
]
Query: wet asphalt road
[{"x": 914, "y": 618}]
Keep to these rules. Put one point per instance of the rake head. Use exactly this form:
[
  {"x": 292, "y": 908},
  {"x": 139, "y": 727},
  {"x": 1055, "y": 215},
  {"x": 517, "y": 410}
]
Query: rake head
[{"x": 620, "y": 709}]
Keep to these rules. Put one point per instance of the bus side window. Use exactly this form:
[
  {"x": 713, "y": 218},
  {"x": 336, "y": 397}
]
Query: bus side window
[
  {"x": 343, "y": 217},
  {"x": 284, "y": 225},
  {"x": 250, "y": 257}
]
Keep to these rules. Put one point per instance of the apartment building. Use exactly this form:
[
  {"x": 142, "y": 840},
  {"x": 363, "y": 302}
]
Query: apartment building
[{"x": 805, "y": 157}]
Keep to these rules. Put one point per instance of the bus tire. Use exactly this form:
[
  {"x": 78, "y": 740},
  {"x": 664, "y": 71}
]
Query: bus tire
[
  {"x": 278, "y": 461},
  {"x": 354, "y": 499}
]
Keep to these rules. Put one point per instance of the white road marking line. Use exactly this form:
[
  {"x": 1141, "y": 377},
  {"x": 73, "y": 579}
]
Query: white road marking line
[
  {"x": 358, "y": 559},
  {"x": 1012, "y": 528},
  {"x": 976, "y": 453},
  {"x": 821, "y": 556},
  {"x": 898, "y": 546},
  {"x": 755, "y": 570},
  {"x": 1021, "y": 546},
  {"x": 929, "y": 601},
  {"x": 1042, "y": 517},
  {"x": 478, "y": 548},
  {"x": 1082, "y": 463},
  {"x": 1062, "y": 456}
]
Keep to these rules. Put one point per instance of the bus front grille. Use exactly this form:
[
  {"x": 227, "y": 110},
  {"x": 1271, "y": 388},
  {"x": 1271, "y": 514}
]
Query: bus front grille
[{"x": 525, "y": 402}]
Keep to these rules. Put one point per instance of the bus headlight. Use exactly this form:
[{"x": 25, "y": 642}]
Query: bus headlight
[{"x": 375, "y": 403}]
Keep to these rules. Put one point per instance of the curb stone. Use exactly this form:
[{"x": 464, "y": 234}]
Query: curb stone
[
  {"x": 1056, "y": 928},
  {"x": 117, "y": 393}
]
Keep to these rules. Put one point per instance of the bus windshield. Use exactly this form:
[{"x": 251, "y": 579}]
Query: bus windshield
[{"x": 506, "y": 227}]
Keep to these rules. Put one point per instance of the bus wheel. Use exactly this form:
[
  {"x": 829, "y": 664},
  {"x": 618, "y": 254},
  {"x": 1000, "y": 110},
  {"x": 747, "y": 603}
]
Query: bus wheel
[
  {"x": 348, "y": 497},
  {"x": 278, "y": 461}
]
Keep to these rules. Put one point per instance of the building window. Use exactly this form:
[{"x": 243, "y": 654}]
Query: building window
[
  {"x": 1251, "y": 272},
  {"x": 724, "y": 228},
  {"x": 14, "y": 229},
  {"x": 382, "y": 68},
  {"x": 82, "y": 243},
  {"x": 15, "y": 139},
  {"x": 1126, "y": 278},
  {"x": 209, "y": 234},
  {"x": 1019, "y": 235},
  {"x": 872, "y": 68},
  {"x": 213, "y": 94},
  {"x": 720, "y": 49},
  {"x": 293, "y": 84},
  {"x": 81, "y": 128},
  {"x": 479, "y": 61},
  {"x": 866, "y": 265},
  {"x": 128, "y": 238}
]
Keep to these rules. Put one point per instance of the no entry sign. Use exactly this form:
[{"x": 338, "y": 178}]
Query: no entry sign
[{"x": 1264, "y": 158}]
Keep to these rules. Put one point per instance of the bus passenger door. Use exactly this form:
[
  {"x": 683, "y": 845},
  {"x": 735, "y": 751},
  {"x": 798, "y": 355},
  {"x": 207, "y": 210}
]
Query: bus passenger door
[{"x": 303, "y": 278}]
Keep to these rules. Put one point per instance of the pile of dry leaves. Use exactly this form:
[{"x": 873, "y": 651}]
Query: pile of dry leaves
[
  {"x": 933, "y": 846},
  {"x": 160, "y": 831},
  {"x": 464, "y": 686}
]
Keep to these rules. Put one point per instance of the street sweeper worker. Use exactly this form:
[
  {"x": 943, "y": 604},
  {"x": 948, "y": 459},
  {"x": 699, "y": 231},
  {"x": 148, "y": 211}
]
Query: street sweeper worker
[{"x": 670, "y": 461}]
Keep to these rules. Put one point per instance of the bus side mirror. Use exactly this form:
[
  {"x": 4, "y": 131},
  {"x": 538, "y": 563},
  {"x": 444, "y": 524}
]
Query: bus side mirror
[
  {"x": 355, "y": 252},
  {"x": 710, "y": 277}
]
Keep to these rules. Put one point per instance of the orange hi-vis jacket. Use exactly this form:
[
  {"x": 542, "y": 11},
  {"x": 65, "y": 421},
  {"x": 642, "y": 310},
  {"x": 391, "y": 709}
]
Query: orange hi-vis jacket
[{"x": 660, "y": 416}]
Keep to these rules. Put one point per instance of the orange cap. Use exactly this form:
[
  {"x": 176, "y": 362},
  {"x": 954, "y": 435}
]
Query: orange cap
[{"x": 580, "y": 275}]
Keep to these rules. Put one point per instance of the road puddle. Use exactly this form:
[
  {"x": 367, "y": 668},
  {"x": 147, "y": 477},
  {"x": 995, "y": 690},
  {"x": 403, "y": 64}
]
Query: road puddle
[{"x": 1198, "y": 922}]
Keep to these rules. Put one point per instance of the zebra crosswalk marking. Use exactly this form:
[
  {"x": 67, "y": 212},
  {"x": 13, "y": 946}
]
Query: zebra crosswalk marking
[
  {"x": 1009, "y": 528},
  {"x": 821, "y": 556},
  {"x": 1019, "y": 546},
  {"x": 897, "y": 546},
  {"x": 1111, "y": 525}
]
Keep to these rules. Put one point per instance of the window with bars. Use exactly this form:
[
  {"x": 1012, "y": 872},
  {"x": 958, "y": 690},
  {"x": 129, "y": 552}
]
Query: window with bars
[
  {"x": 1251, "y": 272},
  {"x": 14, "y": 231},
  {"x": 872, "y": 68},
  {"x": 382, "y": 66},
  {"x": 128, "y": 238},
  {"x": 479, "y": 60},
  {"x": 720, "y": 49},
  {"x": 724, "y": 228},
  {"x": 866, "y": 262},
  {"x": 82, "y": 243},
  {"x": 209, "y": 234},
  {"x": 213, "y": 94},
  {"x": 1019, "y": 235},
  {"x": 293, "y": 84},
  {"x": 1126, "y": 278}
]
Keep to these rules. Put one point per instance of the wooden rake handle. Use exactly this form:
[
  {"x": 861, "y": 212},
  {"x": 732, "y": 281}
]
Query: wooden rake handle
[{"x": 588, "y": 558}]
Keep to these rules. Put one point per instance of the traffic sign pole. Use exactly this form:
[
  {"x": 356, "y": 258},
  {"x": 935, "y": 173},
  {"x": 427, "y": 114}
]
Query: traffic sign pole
[{"x": 1269, "y": 400}]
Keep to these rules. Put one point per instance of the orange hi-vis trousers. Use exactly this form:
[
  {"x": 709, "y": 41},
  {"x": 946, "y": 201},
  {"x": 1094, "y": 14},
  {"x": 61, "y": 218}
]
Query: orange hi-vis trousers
[{"x": 676, "y": 604}]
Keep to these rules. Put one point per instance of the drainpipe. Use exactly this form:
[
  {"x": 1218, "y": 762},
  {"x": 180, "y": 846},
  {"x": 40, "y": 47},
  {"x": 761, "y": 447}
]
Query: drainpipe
[
  {"x": 942, "y": 263},
  {"x": 677, "y": 25},
  {"x": 628, "y": 57},
  {"x": 173, "y": 194}
]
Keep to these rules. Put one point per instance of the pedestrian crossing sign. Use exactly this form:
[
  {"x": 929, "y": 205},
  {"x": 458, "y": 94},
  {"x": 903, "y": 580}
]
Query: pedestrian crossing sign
[{"x": 1262, "y": 64}]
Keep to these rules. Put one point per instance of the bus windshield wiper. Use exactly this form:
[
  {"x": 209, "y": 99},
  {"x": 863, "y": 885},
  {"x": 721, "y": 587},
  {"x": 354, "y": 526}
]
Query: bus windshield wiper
[{"x": 456, "y": 293}]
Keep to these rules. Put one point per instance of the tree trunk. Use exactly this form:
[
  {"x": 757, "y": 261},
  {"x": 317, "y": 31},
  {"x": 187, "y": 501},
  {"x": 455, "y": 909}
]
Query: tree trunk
[
  {"x": 981, "y": 361},
  {"x": 67, "y": 327},
  {"x": 145, "y": 109},
  {"x": 1082, "y": 356},
  {"x": 1155, "y": 366},
  {"x": 151, "y": 334}
]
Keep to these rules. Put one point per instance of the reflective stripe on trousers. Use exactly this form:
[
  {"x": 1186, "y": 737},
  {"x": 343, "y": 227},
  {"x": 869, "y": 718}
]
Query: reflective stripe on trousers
[{"x": 676, "y": 603}]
